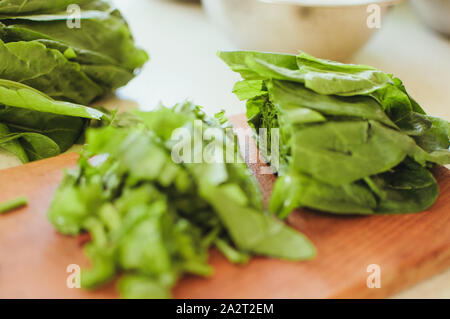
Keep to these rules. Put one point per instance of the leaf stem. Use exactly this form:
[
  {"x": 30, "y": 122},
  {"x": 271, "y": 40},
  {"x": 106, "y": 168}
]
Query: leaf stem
[{"x": 13, "y": 204}]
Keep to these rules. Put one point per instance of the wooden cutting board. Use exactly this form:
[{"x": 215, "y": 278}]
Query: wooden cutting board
[{"x": 408, "y": 248}]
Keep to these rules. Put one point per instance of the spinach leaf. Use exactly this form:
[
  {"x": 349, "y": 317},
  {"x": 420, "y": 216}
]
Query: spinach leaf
[
  {"x": 53, "y": 74},
  {"x": 21, "y": 96},
  {"x": 344, "y": 79},
  {"x": 341, "y": 152},
  {"x": 238, "y": 62},
  {"x": 249, "y": 89}
]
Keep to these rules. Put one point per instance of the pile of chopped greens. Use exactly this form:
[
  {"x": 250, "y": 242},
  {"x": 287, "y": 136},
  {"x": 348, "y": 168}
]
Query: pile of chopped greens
[
  {"x": 33, "y": 126},
  {"x": 42, "y": 46},
  {"x": 352, "y": 140},
  {"x": 152, "y": 220}
]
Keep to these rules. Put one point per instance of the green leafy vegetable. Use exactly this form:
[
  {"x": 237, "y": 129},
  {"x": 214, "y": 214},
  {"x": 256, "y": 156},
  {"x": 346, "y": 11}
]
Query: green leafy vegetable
[
  {"x": 33, "y": 126},
  {"x": 15, "y": 203},
  {"x": 76, "y": 64},
  {"x": 352, "y": 140},
  {"x": 153, "y": 218},
  {"x": 45, "y": 61}
]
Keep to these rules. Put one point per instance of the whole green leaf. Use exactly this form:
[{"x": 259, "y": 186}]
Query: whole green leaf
[
  {"x": 101, "y": 68},
  {"x": 105, "y": 34},
  {"x": 307, "y": 61},
  {"x": 238, "y": 62},
  {"x": 53, "y": 74},
  {"x": 329, "y": 77},
  {"x": 267, "y": 70},
  {"x": 342, "y": 152},
  {"x": 22, "y": 96},
  {"x": 249, "y": 89}
]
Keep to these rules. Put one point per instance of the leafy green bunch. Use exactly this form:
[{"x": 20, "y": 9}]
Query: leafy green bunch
[
  {"x": 40, "y": 47},
  {"x": 152, "y": 219},
  {"x": 43, "y": 59},
  {"x": 352, "y": 140}
]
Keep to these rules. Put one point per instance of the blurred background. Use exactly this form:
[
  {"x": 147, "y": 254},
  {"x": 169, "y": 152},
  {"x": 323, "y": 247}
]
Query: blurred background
[{"x": 183, "y": 36}]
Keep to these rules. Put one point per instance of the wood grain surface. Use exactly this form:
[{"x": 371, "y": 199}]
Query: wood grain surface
[{"x": 408, "y": 248}]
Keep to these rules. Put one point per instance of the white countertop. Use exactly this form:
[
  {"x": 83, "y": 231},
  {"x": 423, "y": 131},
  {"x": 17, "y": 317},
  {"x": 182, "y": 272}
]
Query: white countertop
[{"x": 183, "y": 44}]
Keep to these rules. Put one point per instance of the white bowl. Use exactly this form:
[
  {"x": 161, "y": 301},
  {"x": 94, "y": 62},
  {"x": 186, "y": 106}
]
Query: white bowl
[
  {"x": 331, "y": 29},
  {"x": 435, "y": 13}
]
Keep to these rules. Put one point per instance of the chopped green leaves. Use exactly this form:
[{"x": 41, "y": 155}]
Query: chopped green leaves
[{"x": 152, "y": 219}]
